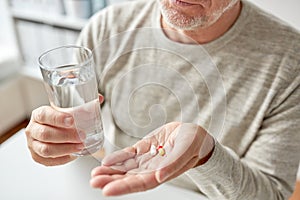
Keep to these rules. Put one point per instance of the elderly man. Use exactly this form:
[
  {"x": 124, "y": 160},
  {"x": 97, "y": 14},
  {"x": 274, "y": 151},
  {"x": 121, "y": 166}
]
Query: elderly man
[{"x": 220, "y": 79}]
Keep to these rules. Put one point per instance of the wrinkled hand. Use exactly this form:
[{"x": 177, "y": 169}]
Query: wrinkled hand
[
  {"x": 52, "y": 136},
  {"x": 134, "y": 169}
]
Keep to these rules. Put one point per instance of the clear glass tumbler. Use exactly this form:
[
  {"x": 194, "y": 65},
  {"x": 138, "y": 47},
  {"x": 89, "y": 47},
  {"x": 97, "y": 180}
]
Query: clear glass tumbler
[{"x": 70, "y": 80}]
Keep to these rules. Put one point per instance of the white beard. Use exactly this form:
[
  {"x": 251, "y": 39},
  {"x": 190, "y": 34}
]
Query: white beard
[{"x": 178, "y": 20}]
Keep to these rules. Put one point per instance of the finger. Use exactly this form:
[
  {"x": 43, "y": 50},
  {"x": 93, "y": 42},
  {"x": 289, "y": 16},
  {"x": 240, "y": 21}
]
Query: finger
[
  {"x": 51, "y": 161},
  {"x": 102, "y": 175},
  {"x": 143, "y": 146},
  {"x": 102, "y": 180},
  {"x": 104, "y": 170},
  {"x": 119, "y": 156},
  {"x": 52, "y": 150},
  {"x": 49, "y": 134},
  {"x": 130, "y": 184},
  {"x": 49, "y": 116},
  {"x": 126, "y": 166}
]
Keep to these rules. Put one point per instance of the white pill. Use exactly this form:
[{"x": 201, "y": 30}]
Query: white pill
[{"x": 153, "y": 150}]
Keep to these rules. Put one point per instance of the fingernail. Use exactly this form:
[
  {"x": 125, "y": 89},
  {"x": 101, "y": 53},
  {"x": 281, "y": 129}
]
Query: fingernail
[{"x": 68, "y": 121}]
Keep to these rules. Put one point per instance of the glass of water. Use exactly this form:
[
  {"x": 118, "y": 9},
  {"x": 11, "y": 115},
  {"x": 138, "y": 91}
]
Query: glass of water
[{"x": 70, "y": 80}]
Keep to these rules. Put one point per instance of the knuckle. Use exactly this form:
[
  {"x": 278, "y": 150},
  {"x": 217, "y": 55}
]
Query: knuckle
[
  {"x": 39, "y": 114},
  {"x": 29, "y": 145},
  {"x": 28, "y": 131},
  {"x": 44, "y": 150},
  {"x": 42, "y": 129},
  {"x": 44, "y": 134},
  {"x": 58, "y": 118}
]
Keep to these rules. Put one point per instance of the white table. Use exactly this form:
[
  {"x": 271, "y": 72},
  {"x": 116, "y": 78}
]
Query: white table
[{"x": 22, "y": 178}]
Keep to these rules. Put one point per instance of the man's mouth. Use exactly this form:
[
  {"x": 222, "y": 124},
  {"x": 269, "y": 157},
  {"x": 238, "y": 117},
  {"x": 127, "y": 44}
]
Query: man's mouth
[{"x": 182, "y": 3}]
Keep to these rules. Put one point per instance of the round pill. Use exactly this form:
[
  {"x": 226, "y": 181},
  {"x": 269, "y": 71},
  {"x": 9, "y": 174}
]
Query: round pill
[{"x": 161, "y": 151}]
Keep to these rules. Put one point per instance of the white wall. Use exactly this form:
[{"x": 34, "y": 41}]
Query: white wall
[
  {"x": 288, "y": 10},
  {"x": 6, "y": 33}
]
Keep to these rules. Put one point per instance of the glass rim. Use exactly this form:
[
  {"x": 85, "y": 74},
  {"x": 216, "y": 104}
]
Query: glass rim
[{"x": 90, "y": 57}]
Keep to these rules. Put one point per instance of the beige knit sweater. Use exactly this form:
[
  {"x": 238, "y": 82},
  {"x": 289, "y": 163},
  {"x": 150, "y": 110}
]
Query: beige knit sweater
[{"x": 243, "y": 88}]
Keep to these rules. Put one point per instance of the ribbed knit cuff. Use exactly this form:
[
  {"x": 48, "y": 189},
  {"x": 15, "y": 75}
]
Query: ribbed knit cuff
[{"x": 213, "y": 169}]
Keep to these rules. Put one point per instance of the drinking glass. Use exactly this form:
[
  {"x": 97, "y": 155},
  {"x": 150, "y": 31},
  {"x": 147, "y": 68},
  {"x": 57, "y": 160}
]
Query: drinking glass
[{"x": 71, "y": 84}]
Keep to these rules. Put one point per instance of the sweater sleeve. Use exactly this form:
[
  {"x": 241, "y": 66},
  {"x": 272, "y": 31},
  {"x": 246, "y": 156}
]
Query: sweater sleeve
[{"x": 269, "y": 167}]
